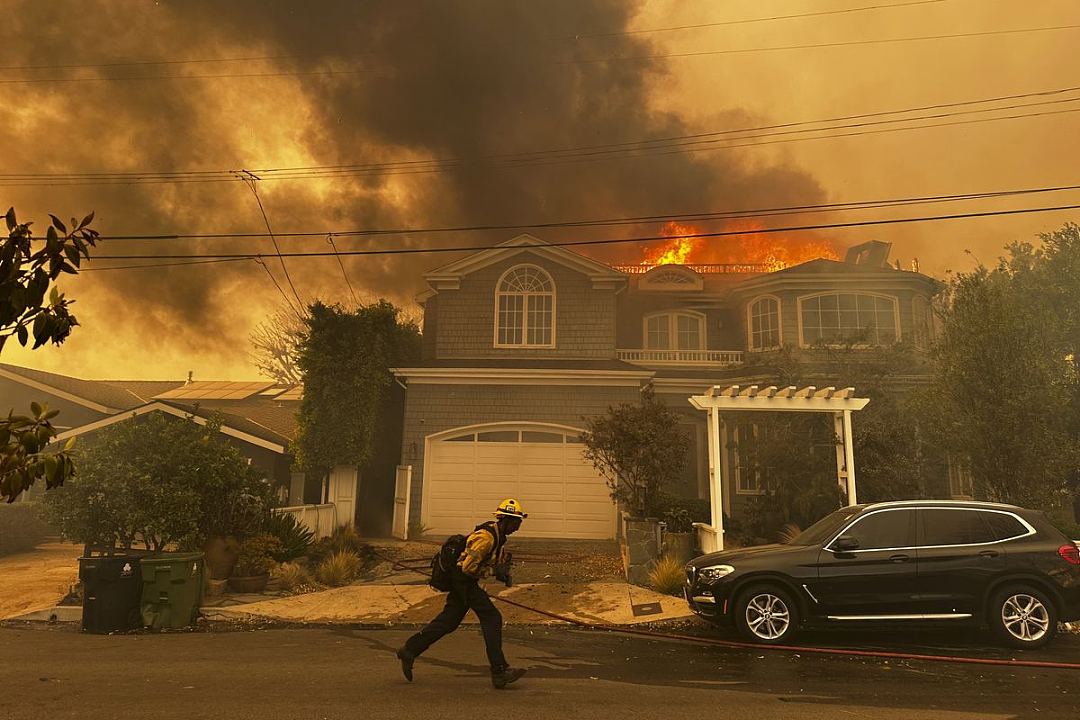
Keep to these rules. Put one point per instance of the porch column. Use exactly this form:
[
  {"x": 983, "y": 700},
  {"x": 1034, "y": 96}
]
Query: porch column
[
  {"x": 849, "y": 459},
  {"x": 716, "y": 475}
]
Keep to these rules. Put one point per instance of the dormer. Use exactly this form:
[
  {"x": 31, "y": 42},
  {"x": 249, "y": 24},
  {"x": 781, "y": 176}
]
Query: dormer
[{"x": 671, "y": 278}]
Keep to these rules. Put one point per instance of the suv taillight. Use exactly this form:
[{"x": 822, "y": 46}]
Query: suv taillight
[{"x": 1070, "y": 553}]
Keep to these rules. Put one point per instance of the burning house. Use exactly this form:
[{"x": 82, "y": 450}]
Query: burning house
[{"x": 524, "y": 341}]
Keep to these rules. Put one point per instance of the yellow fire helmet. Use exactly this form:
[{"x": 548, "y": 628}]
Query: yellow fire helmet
[{"x": 510, "y": 508}]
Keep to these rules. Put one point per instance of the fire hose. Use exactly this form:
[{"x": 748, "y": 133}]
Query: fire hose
[{"x": 1012, "y": 662}]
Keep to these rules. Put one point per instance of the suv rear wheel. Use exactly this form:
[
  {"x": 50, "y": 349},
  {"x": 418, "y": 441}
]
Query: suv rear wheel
[
  {"x": 766, "y": 614},
  {"x": 1022, "y": 616}
]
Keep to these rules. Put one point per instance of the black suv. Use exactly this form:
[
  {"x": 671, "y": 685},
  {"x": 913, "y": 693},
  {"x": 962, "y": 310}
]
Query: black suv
[{"x": 923, "y": 560}]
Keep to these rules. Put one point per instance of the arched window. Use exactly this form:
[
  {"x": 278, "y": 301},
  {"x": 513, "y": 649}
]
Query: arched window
[
  {"x": 763, "y": 323},
  {"x": 525, "y": 308},
  {"x": 675, "y": 331},
  {"x": 834, "y": 318}
]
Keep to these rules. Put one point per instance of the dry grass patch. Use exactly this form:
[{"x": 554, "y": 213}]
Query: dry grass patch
[
  {"x": 292, "y": 575},
  {"x": 338, "y": 569},
  {"x": 667, "y": 577}
]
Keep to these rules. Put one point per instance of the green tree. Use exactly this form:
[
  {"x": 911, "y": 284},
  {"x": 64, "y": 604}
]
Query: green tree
[
  {"x": 158, "y": 480},
  {"x": 1006, "y": 385},
  {"x": 639, "y": 449},
  {"x": 345, "y": 357},
  {"x": 26, "y": 275}
]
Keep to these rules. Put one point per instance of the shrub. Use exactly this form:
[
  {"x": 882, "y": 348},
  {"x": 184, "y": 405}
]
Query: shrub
[
  {"x": 256, "y": 556},
  {"x": 338, "y": 569},
  {"x": 417, "y": 529},
  {"x": 20, "y": 528},
  {"x": 680, "y": 513},
  {"x": 293, "y": 535},
  {"x": 668, "y": 576},
  {"x": 1068, "y": 528},
  {"x": 639, "y": 449},
  {"x": 293, "y": 575},
  {"x": 157, "y": 480},
  {"x": 788, "y": 533}
]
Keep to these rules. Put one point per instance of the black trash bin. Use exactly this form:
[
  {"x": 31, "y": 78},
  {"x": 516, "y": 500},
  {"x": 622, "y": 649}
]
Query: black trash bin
[{"x": 112, "y": 589}]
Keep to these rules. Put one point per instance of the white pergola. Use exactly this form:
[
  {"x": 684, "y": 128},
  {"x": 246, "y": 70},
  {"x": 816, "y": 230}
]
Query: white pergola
[{"x": 841, "y": 403}]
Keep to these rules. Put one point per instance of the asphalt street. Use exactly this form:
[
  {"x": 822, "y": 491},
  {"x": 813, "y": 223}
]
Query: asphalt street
[{"x": 58, "y": 672}]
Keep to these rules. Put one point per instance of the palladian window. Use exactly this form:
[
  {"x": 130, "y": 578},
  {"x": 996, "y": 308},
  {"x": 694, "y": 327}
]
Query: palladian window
[
  {"x": 837, "y": 318},
  {"x": 525, "y": 308}
]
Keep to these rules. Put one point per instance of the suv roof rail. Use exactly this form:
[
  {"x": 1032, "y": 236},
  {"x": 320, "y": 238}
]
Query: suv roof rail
[{"x": 959, "y": 503}]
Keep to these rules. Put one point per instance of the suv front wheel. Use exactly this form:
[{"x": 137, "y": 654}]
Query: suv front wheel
[
  {"x": 1022, "y": 616},
  {"x": 766, "y": 614}
]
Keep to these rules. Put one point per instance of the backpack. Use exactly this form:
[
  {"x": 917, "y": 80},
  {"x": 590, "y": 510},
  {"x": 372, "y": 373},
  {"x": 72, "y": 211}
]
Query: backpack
[{"x": 443, "y": 562}]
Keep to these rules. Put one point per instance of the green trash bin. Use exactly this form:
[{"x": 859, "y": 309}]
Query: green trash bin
[{"x": 172, "y": 589}]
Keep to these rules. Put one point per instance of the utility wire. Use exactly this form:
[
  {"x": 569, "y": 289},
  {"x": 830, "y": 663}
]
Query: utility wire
[
  {"x": 555, "y": 63},
  {"x": 707, "y": 215},
  {"x": 612, "y": 241},
  {"x": 644, "y": 148},
  {"x": 250, "y": 180},
  {"x": 516, "y": 42},
  {"x": 330, "y": 239},
  {"x": 752, "y": 142}
]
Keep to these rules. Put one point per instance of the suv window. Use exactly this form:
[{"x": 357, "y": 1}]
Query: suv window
[
  {"x": 954, "y": 526},
  {"x": 1004, "y": 526},
  {"x": 884, "y": 529}
]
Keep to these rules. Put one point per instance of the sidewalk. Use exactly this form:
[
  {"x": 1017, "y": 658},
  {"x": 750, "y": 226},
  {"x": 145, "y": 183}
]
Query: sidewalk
[{"x": 578, "y": 579}]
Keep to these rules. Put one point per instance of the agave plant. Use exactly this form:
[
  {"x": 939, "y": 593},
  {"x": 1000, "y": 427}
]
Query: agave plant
[{"x": 294, "y": 537}]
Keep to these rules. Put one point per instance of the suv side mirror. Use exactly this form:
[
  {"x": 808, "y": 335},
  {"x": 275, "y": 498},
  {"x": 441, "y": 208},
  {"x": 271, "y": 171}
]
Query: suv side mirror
[{"x": 845, "y": 543}]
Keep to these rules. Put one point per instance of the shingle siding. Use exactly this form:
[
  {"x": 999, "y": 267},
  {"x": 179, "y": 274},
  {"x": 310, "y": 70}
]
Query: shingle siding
[
  {"x": 584, "y": 316},
  {"x": 431, "y": 409}
]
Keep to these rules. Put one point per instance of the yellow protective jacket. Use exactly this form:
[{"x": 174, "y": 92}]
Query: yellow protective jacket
[{"x": 482, "y": 550}]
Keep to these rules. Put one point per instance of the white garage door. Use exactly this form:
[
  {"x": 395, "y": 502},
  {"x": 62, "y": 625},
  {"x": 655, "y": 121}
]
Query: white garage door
[{"x": 467, "y": 475}]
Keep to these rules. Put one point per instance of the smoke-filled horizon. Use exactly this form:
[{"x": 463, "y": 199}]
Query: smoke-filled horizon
[{"x": 340, "y": 83}]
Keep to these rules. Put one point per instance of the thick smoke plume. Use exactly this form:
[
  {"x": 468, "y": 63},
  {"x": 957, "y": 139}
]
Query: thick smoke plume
[{"x": 370, "y": 82}]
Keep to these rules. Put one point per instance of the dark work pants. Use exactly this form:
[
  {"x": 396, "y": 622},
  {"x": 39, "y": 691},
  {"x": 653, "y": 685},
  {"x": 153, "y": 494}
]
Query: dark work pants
[{"x": 465, "y": 595}]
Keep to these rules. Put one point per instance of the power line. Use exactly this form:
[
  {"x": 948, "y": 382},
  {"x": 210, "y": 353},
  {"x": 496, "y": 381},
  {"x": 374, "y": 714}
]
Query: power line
[
  {"x": 643, "y": 148},
  {"x": 613, "y": 241},
  {"x": 250, "y": 180},
  {"x": 575, "y": 37},
  {"x": 330, "y": 239},
  {"x": 575, "y": 61},
  {"x": 705, "y": 215}
]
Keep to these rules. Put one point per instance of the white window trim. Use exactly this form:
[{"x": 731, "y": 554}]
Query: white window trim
[
  {"x": 673, "y": 330},
  {"x": 893, "y": 298},
  {"x": 779, "y": 323},
  {"x": 737, "y": 457},
  {"x": 525, "y": 310},
  {"x": 922, "y": 312}
]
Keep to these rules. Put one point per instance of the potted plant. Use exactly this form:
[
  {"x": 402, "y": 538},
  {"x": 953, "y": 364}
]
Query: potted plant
[{"x": 255, "y": 560}]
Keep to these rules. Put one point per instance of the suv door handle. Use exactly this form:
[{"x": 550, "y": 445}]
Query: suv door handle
[
  {"x": 989, "y": 554},
  {"x": 900, "y": 558}
]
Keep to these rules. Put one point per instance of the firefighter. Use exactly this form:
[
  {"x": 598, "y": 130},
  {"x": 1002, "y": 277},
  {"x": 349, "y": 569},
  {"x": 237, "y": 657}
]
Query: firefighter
[{"x": 483, "y": 555}]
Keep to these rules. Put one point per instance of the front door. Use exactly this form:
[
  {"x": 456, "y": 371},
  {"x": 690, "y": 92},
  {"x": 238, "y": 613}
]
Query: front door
[
  {"x": 959, "y": 555},
  {"x": 878, "y": 578}
]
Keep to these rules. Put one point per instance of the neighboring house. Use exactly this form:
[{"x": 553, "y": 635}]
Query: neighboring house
[
  {"x": 523, "y": 341},
  {"x": 258, "y": 418}
]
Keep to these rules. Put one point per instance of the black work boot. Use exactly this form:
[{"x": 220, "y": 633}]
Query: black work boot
[
  {"x": 406, "y": 663},
  {"x": 506, "y": 675}
]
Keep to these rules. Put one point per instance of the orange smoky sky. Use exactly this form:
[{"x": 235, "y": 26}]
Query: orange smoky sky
[{"x": 143, "y": 88}]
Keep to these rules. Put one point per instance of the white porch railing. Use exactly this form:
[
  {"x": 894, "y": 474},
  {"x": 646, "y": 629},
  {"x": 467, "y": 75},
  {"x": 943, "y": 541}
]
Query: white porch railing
[
  {"x": 681, "y": 357},
  {"x": 319, "y": 519}
]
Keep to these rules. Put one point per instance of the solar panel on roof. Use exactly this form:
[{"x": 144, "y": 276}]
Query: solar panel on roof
[
  {"x": 293, "y": 394},
  {"x": 215, "y": 390}
]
